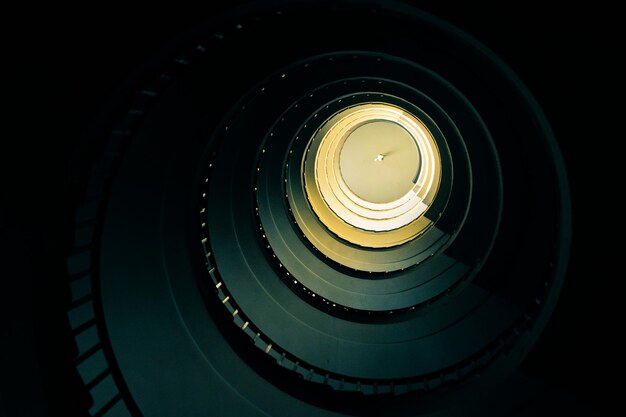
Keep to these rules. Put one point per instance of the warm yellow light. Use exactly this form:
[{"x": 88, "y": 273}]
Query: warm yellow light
[{"x": 371, "y": 171}]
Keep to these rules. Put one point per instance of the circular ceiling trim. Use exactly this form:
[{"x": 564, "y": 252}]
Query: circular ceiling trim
[{"x": 343, "y": 212}]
